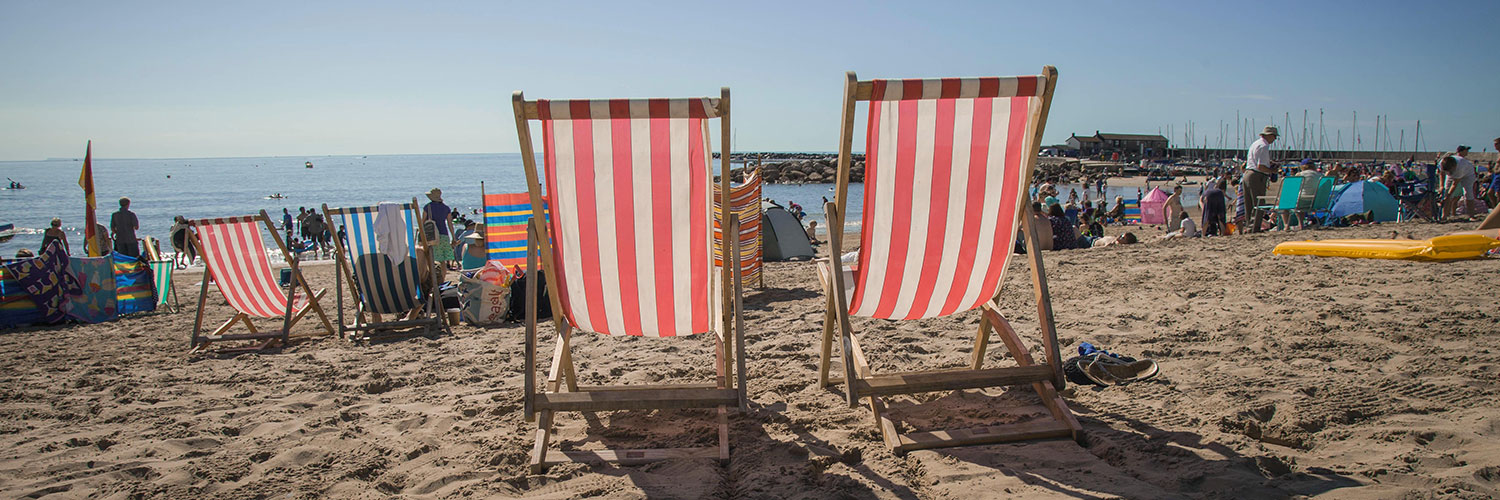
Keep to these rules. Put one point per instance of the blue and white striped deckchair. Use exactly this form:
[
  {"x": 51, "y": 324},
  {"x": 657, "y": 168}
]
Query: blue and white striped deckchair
[{"x": 381, "y": 284}]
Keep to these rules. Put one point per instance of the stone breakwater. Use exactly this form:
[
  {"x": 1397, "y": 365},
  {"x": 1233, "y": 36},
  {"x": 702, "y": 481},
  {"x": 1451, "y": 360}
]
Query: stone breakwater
[{"x": 814, "y": 168}]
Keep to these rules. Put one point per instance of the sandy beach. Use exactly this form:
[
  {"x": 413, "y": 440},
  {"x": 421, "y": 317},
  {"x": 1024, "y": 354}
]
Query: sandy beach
[{"x": 1281, "y": 377}]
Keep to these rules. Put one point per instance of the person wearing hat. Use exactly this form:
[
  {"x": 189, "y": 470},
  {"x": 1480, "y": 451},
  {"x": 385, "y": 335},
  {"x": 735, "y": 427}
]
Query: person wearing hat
[
  {"x": 1258, "y": 170},
  {"x": 438, "y": 212},
  {"x": 475, "y": 251},
  {"x": 1459, "y": 184}
]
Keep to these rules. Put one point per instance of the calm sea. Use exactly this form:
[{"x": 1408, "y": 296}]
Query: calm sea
[{"x": 160, "y": 189}]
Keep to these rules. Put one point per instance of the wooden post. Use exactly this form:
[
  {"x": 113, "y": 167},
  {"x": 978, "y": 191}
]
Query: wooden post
[
  {"x": 529, "y": 387},
  {"x": 534, "y": 189},
  {"x": 845, "y": 328},
  {"x": 725, "y": 214},
  {"x": 739, "y": 320}
]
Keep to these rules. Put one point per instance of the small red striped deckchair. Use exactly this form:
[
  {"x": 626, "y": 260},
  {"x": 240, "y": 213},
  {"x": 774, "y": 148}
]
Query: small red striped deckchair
[
  {"x": 235, "y": 257},
  {"x": 947, "y": 162},
  {"x": 629, "y": 253},
  {"x": 744, "y": 202}
]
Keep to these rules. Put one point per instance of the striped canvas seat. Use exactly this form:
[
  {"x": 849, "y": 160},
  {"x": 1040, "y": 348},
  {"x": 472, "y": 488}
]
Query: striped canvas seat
[
  {"x": 385, "y": 286},
  {"x": 161, "y": 276},
  {"x": 505, "y": 217},
  {"x": 629, "y": 181},
  {"x": 236, "y": 256},
  {"x": 943, "y": 185},
  {"x": 744, "y": 201}
]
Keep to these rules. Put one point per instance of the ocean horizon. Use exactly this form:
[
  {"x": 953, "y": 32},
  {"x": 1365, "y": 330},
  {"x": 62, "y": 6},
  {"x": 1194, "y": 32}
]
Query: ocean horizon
[{"x": 163, "y": 188}]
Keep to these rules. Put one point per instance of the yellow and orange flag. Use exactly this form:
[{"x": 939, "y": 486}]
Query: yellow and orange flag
[{"x": 86, "y": 181}]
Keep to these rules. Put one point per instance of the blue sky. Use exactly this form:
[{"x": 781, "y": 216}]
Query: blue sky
[{"x": 205, "y": 79}]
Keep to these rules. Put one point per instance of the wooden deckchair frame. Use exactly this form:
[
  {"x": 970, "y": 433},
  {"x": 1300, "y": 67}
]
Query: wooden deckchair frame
[
  {"x": 562, "y": 392},
  {"x": 861, "y": 382},
  {"x": 201, "y": 343},
  {"x": 422, "y": 321}
]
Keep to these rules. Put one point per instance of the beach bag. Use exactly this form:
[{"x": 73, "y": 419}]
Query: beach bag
[
  {"x": 518, "y": 297},
  {"x": 485, "y": 295}
]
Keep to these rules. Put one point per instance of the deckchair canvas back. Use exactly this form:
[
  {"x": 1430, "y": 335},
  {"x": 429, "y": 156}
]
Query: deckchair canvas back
[
  {"x": 943, "y": 181},
  {"x": 505, "y": 217},
  {"x": 744, "y": 202},
  {"x": 384, "y": 286},
  {"x": 628, "y": 183},
  {"x": 235, "y": 254}
]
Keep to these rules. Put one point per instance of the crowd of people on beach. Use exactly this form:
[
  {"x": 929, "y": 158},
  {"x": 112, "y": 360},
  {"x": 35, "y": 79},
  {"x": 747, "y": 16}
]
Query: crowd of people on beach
[
  {"x": 459, "y": 242},
  {"x": 1450, "y": 187}
]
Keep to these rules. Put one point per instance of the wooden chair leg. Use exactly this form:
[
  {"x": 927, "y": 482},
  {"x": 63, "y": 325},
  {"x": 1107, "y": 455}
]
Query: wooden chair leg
[
  {"x": 825, "y": 350},
  {"x": 723, "y": 436},
  {"x": 227, "y": 325},
  {"x": 539, "y": 449},
  {"x": 981, "y": 342}
]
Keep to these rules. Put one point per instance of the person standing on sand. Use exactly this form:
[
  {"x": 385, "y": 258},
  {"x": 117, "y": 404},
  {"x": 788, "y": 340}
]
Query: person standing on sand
[
  {"x": 1212, "y": 202},
  {"x": 56, "y": 233},
  {"x": 124, "y": 225},
  {"x": 1174, "y": 209},
  {"x": 286, "y": 223},
  {"x": 438, "y": 212},
  {"x": 1461, "y": 185},
  {"x": 180, "y": 244},
  {"x": 1258, "y": 171}
]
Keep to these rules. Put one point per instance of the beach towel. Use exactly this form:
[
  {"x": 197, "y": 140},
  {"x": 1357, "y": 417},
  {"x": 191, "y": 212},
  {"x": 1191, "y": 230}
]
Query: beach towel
[
  {"x": 96, "y": 280},
  {"x": 134, "y": 288},
  {"x": 391, "y": 231},
  {"x": 47, "y": 279},
  {"x": 16, "y": 306}
]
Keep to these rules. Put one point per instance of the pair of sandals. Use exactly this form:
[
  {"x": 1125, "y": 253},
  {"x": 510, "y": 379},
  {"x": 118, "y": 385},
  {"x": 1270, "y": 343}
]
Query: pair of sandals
[{"x": 1094, "y": 366}]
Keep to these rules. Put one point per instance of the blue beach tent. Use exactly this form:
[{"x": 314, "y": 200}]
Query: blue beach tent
[{"x": 1364, "y": 196}]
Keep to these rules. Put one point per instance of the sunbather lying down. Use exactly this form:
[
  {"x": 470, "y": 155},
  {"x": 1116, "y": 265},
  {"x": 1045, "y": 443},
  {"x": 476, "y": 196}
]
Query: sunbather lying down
[{"x": 1490, "y": 227}]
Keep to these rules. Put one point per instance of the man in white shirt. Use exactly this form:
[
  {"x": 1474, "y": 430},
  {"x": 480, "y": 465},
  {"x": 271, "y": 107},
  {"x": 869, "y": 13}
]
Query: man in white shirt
[
  {"x": 1461, "y": 182},
  {"x": 1258, "y": 170}
]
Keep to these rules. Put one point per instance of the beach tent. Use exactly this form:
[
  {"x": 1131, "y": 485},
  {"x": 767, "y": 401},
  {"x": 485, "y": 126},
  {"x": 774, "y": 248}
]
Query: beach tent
[
  {"x": 1364, "y": 196},
  {"x": 1154, "y": 207},
  {"x": 782, "y": 235}
]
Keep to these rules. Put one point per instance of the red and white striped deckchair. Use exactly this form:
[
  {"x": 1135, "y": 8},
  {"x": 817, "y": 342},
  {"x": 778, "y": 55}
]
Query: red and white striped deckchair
[
  {"x": 235, "y": 257},
  {"x": 628, "y": 251},
  {"x": 947, "y": 161}
]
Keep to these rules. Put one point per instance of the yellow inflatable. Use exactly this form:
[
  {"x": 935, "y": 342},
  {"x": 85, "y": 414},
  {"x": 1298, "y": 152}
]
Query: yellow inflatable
[{"x": 1451, "y": 247}]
